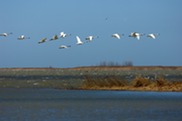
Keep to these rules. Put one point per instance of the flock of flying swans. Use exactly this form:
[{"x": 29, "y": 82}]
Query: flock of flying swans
[{"x": 79, "y": 41}]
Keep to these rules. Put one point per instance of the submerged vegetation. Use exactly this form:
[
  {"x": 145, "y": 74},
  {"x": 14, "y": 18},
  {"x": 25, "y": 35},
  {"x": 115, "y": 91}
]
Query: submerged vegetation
[{"x": 96, "y": 77}]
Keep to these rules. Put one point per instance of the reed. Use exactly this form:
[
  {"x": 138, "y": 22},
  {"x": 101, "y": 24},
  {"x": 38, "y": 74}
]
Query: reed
[
  {"x": 91, "y": 81},
  {"x": 162, "y": 82},
  {"x": 138, "y": 83}
]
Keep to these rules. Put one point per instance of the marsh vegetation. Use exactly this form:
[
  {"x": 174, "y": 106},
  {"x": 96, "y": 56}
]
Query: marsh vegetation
[
  {"x": 95, "y": 77},
  {"x": 137, "y": 84}
]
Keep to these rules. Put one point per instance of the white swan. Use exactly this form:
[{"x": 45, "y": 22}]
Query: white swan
[
  {"x": 79, "y": 42},
  {"x": 136, "y": 35},
  {"x": 42, "y": 40},
  {"x": 116, "y": 35},
  {"x": 62, "y": 34},
  {"x": 153, "y": 36},
  {"x": 5, "y": 34},
  {"x": 90, "y": 38},
  {"x": 22, "y": 37},
  {"x": 55, "y": 37},
  {"x": 64, "y": 46}
]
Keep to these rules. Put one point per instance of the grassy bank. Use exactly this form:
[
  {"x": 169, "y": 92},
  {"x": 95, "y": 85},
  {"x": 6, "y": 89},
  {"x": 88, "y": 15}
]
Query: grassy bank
[{"x": 156, "y": 78}]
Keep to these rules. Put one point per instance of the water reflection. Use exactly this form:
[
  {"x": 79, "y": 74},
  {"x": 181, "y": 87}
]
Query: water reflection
[{"x": 69, "y": 105}]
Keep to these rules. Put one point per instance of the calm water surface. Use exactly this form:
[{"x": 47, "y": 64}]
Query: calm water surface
[{"x": 71, "y": 105}]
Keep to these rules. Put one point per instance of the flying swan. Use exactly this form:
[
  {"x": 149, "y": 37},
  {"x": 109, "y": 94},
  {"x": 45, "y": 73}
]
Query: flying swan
[{"x": 79, "y": 42}]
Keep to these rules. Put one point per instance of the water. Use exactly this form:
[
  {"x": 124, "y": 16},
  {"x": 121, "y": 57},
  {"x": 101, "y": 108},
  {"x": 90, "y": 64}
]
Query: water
[{"x": 72, "y": 105}]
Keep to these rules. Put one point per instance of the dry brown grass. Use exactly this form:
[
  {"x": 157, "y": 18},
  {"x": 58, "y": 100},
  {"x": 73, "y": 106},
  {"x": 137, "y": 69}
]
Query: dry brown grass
[
  {"x": 105, "y": 81},
  {"x": 138, "y": 83},
  {"x": 162, "y": 82}
]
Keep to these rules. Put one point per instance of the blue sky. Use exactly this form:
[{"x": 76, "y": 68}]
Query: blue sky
[{"x": 44, "y": 18}]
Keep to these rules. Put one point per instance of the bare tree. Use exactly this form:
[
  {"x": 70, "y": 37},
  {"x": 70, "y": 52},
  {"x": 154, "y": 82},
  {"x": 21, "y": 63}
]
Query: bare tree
[{"x": 127, "y": 63}]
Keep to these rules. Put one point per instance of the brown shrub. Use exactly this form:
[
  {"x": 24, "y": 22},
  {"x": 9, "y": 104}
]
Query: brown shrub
[
  {"x": 161, "y": 82},
  {"x": 140, "y": 82}
]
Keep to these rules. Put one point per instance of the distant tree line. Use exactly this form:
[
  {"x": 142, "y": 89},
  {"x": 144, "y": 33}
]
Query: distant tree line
[
  {"x": 111, "y": 63},
  {"x": 127, "y": 63}
]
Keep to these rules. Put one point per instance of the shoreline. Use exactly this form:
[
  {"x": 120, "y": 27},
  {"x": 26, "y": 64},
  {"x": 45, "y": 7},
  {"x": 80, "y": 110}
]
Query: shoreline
[
  {"x": 99, "y": 89},
  {"x": 134, "y": 89}
]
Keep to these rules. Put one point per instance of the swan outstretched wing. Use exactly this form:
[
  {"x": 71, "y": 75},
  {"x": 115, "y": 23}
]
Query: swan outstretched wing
[{"x": 79, "y": 42}]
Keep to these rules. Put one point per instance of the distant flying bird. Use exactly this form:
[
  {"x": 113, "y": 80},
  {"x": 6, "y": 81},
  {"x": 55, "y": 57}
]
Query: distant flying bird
[
  {"x": 90, "y": 38},
  {"x": 116, "y": 35},
  {"x": 64, "y": 46},
  {"x": 5, "y": 34},
  {"x": 63, "y": 35},
  {"x": 79, "y": 42},
  {"x": 153, "y": 36},
  {"x": 22, "y": 37},
  {"x": 136, "y": 35},
  {"x": 55, "y": 37},
  {"x": 42, "y": 40}
]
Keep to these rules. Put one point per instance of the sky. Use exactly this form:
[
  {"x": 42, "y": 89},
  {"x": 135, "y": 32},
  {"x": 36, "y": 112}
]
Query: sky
[{"x": 44, "y": 18}]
